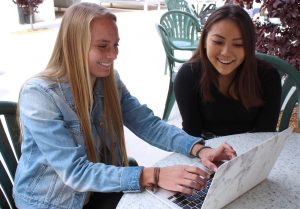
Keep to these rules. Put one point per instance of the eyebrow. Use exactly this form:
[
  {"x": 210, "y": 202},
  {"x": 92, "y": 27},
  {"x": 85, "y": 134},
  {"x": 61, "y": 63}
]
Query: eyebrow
[
  {"x": 235, "y": 39},
  {"x": 102, "y": 41}
]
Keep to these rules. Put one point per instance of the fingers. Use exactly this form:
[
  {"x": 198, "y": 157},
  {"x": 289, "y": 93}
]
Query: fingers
[
  {"x": 196, "y": 172},
  {"x": 209, "y": 164},
  {"x": 190, "y": 190},
  {"x": 194, "y": 179},
  {"x": 185, "y": 190},
  {"x": 185, "y": 179},
  {"x": 211, "y": 157},
  {"x": 189, "y": 186},
  {"x": 229, "y": 151},
  {"x": 224, "y": 152}
]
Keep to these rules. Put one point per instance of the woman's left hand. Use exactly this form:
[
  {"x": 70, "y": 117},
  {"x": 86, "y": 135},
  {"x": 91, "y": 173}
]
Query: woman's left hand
[{"x": 212, "y": 157}]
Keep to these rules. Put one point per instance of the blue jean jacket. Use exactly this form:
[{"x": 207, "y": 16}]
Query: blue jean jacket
[{"x": 53, "y": 171}]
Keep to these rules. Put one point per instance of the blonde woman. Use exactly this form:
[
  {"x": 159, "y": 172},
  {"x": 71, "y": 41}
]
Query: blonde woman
[{"x": 72, "y": 116}]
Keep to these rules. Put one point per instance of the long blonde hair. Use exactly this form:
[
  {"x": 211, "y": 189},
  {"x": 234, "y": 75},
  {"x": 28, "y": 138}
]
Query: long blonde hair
[{"x": 69, "y": 61}]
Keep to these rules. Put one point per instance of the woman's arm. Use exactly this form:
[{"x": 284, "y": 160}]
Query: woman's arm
[
  {"x": 179, "y": 178},
  {"x": 184, "y": 178},
  {"x": 53, "y": 141},
  {"x": 142, "y": 122}
]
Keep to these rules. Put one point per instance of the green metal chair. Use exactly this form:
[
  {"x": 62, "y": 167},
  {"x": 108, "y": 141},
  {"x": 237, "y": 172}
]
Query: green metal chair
[
  {"x": 290, "y": 96},
  {"x": 205, "y": 11},
  {"x": 10, "y": 150},
  {"x": 186, "y": 6},
  {"x": 181, "y": 5},
  {"x": 183, "y": 30},
  {"x": 208, "y": 7},
  {"x": 172, "y": 63}
]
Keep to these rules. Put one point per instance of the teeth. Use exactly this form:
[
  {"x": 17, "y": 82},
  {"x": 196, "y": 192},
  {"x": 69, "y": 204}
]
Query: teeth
[
  {"x": 225, "y": 61},
  {"x": 106, "y": 64}
]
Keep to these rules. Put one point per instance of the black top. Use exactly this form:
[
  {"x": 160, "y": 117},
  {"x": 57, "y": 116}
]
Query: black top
[{"x": 225, "y": 115}]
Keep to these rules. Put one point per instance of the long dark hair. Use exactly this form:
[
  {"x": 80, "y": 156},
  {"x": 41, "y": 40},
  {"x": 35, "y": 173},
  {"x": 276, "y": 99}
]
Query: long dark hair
[{"x": 246, "y": 87}]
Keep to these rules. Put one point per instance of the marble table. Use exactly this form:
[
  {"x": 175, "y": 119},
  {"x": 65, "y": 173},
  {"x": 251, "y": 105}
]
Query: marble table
[{"x": 280, "y": 190}]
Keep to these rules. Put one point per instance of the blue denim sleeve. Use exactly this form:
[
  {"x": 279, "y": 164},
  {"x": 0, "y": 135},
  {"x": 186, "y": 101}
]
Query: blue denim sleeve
[
  {"x": 130, "y": 179},
  {"x": 142, "y": 122},
  {"x": 59, "y": 147}
]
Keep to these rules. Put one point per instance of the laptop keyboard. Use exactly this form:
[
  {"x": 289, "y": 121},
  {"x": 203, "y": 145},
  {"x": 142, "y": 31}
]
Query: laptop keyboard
[{"x": 191, "y": 201}]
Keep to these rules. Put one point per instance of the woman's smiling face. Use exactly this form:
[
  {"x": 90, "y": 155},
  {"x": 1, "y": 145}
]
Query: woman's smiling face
[
  {"x": 225, "y": 47},
  {"x": 104, "y": 46}
]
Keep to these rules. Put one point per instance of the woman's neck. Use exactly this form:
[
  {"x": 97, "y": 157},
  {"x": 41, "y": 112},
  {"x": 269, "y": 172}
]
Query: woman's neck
[{"x": 225, "y": 85}]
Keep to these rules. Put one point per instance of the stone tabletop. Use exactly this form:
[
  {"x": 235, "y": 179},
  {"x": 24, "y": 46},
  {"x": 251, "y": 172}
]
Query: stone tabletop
[{"x": 280, "y": 190}]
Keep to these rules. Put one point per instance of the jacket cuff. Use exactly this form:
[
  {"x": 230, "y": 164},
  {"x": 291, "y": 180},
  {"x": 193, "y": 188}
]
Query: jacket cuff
[
  {"x": 130, "y": 179},
  {"x": 200, "y": 141}
]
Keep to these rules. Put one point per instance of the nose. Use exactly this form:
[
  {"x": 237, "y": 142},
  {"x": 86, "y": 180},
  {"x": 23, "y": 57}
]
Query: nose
[
  {"x": 226, "y": 49},
  {"x": 112, "y": 53}
]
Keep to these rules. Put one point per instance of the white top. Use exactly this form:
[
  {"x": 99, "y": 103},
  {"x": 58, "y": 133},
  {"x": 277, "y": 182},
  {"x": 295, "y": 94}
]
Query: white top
[{"x": 280, "y": 190}]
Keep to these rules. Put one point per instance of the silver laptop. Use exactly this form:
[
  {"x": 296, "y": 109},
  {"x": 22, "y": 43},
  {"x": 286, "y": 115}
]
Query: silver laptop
[{"x": 232, "y": 179}]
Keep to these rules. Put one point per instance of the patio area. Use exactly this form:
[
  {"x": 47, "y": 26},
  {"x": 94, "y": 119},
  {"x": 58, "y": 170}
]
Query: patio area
[{"x": 141, "y": 63}]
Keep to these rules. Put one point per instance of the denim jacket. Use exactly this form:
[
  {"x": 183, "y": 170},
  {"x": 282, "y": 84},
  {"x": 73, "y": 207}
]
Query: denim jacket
[{"x": 53, "y": 171}]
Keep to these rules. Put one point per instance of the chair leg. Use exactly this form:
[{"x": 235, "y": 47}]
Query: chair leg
[
  {"x": 166, "y": 66},
  {"x": 169, "y": 102}
]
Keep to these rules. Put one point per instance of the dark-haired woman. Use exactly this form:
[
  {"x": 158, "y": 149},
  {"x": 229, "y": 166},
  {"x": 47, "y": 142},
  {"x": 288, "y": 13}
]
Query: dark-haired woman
[{"x": 224, "y": 89}]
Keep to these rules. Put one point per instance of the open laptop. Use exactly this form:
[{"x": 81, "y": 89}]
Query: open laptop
[{"x": 232, "y": 179}]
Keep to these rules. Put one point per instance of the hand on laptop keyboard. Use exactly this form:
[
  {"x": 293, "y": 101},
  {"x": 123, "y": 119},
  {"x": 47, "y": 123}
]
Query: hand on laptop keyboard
[
  {"x": 211, "y": 157},
  {"x": 183, "y": 178}
]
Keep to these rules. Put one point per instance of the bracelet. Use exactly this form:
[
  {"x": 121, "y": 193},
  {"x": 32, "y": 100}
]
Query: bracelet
[
  {"x": 154, "y": 186},
  {"x": 200, "y": 149}
]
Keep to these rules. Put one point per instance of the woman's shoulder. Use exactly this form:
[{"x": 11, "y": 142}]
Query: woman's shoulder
[
  {"x": 118, "y": 80},
  {"x": 116, "y": 75},
  {"x": 191, "y": 68},
  {"x": 39, "y": 82},
  {"x": 267, "y": 71},
  {"x": 46, "y": 86},
  {"x": 195, "y": 65}
]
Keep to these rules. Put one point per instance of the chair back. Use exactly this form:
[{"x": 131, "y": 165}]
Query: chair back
[
  {"x": 205, "y": 11},
  {"x": 171, "y": 62},
  {"x": 182, "y": 29},
  {"x": 10, "y": 151},
  {"x": 169, "y": 50},
  {"x": 208, "y": 7},
  {"x": 181, "y": 5},
  {"x": 290, "y": 96}
]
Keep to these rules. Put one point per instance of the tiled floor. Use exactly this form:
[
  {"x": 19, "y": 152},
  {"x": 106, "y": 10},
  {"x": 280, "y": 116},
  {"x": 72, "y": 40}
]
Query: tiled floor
[{"x": 140, "y": 63}]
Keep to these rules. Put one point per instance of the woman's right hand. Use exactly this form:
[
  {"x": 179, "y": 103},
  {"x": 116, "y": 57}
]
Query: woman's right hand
[{"x": 179, "y": 178}]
